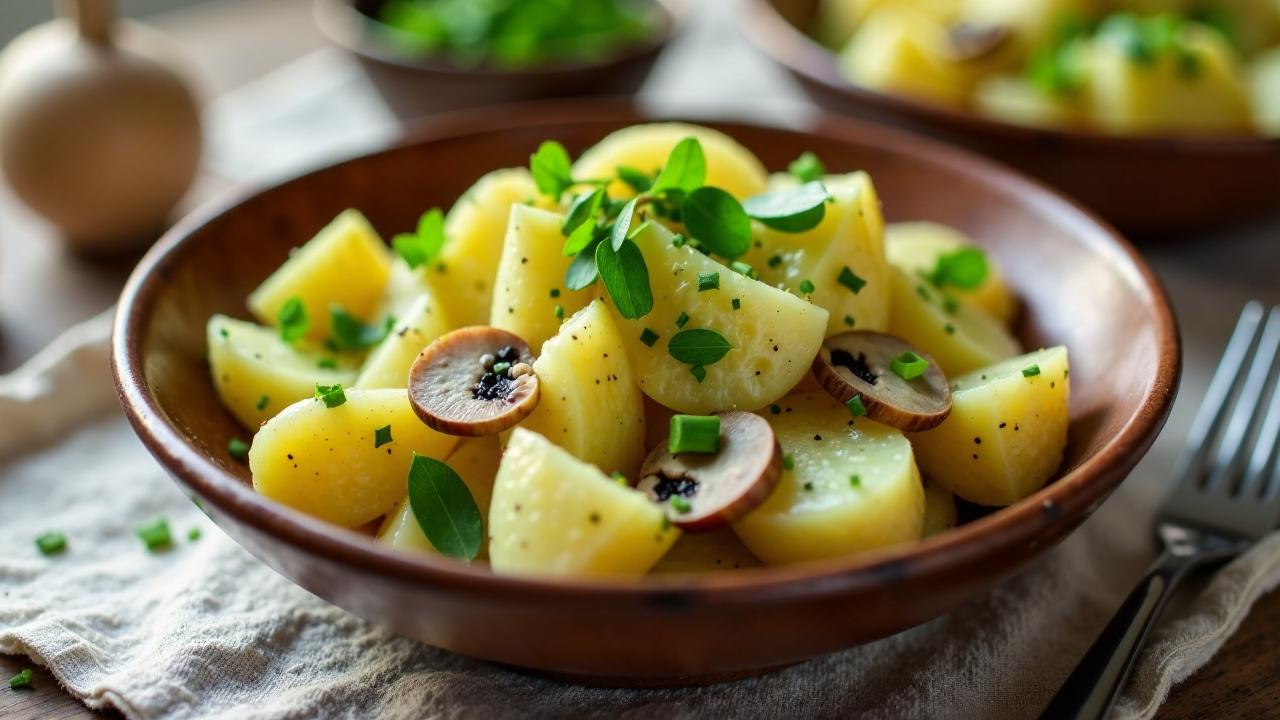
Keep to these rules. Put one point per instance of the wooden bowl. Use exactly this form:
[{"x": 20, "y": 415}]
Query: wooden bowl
[
  {"x": 1149, "y": 186},
  {"x": 414, "y": 87},
  {"x": 1081, "y": 283}
]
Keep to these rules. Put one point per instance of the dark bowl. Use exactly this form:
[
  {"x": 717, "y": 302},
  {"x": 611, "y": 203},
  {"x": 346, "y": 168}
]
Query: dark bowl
[
  {"x": 415, "y": 86},
  {"x": 1148, "y": 186},
  {"x": 1082, "y": 286}
]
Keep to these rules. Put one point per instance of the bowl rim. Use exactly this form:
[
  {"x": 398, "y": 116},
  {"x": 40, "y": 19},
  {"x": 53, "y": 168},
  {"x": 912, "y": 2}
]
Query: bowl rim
[
  {"x": 339, "y": 21},
  {"x": 790, "y": 47},
  {"x": 972, "y": 544}
]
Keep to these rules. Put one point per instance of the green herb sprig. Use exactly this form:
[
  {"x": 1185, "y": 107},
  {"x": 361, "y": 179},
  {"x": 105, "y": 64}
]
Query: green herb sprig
[{"x": 445, "y": 509}]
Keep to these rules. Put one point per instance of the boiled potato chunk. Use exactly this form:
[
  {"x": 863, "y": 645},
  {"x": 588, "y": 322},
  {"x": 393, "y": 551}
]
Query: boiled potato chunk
[
  {"x": 1006, "y": 432},
  {"x": 730, "y": 166},
  {"x": 324, "y": 462},
  {"x": 1264, "y": 77},
  {"x": 939, "y": 509},
  {"x": 706, "y": 552},
  {"x": 915, "y": 248},
  {"x": 591, "y": 404},
  {"x": 345, "y": 264},
  {"x": 553, "y": 514},
  {"x": 1015, "y": 100},
  {"x": 775, "y": 335},
  {"x": 898, "y": 50},
  {"x": 257, "y": 374},
  {"x": 1170, "y": 93},
  {"x": 474, "y": 231},
  {"x": 476, "y": 462},
  {"x": 531, "y": 269},
  {"x": 1033, "y": 22},
  {"x": 853, "y": 487},
  {"x": 388, "y": 364},
  {"x": 839, "y": 19},
  {"x": 846, "y": 237},
  {"x": 958, "y": 336}
]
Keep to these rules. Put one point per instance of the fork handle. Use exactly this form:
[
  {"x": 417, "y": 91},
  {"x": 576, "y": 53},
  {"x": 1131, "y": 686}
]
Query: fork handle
[{"x": 1092, "y": 687}]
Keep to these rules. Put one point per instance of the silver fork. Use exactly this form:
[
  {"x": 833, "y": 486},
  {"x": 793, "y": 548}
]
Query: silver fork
[{"x": 1226, "y": 499}]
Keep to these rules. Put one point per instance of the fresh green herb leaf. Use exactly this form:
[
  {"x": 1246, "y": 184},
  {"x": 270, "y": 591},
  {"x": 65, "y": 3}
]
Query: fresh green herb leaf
[
  {"x": 708, "y": 281},
  {"x": 293, "y": 320},
  {"x": 686, "y": 168},
  {"x": 583, "y": 208},
  {"x": 682, "y": 319},
  {"x": 622, "y": 226},
  {"x": 678, "y": 240},
  {"x": 718, "y": 221},
  {"x": 1031, "y": 371},
  {"x": 327, "y": 364},
  {"x": 580, "y": 238},
  {"x": 155, "y": 534},
  {"x": 791, "y": 210},
  {"x": 351, "y": 334},
  {"x": 638, "y": 180},
  {"x": 551, "y": 171},
  {"x": 51, "y": 543},
  {"x": 850, "y": 279},
  {"x": 807, "y": 287},
  {"x": 807, "y": 168},
  {"x": 382, "y": 436},
  {"x": 263, "y": 402},
  {"x": 699, "y": 373},
  {"x": 444, "y": 508},
  {"x": 856, "y": 408},
  {"x": 626, "y": 278},
  {"x": 680, "y": 505},
  {"x": 238, "y": 449},
  {"x": 698, "y": 346},
  {"x": 331, "y": 395},
  {"x": 964, "y": 268},
  {"x": 908, "y": 365},
  {"x": 22, "y": 680},
  {"x": 582, "y": 270},
  {"x": 649, "y": 337},
  {"x": 694, "y": 434},
  {"x": 419, "y": 248}
]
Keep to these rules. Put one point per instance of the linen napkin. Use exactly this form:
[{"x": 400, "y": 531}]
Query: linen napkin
[{"x": 205, "y": 631}]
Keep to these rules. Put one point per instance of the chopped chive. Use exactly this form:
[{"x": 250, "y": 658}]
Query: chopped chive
[
  {"x": 678, "y": 240},
  {"x": 666, "y": 523},
  {"x": 950, "y": 304},
  {"x": 694, "y": 434},
  {"x": 851, "y": 280},
  {"x": 223, "y": 332},
  {"x": 806, "y": 287},
  {"x": 382, "y": 436},
  {"x": 949, "y": 329},
  {"x": 155, "y": 534},
  {"x": 327, "y": 364},
  {"x": 555, "y": 292},
  {"x": 807, "y": 167},
  {"x": 293, "y": 320},
  {"x": 908, "y": 365},
  {"x": 682, "y": 320},
  {"x": 923, "y": 293},
  {"x": 776, "y": 409},
  {"x": 743, "y": 269},
  {"x": 708, "y": 281},
  {"x": 649, "y": 337},
  {"x": 808, "y": 486},
  {"x": 856, "y": 408},
  {"x": 848, "y": 320},
  {"x": 51, "y": 543},
  {"x": 619, "y": 478},
  {"x": 788, "y": 462},
  {"x": 680, "y": 505},
  {"x": 263, "y": 402},
  {"x": 331, "y": 395},
  {"x": 193, "y": 534},
  {"x": 559, "y": 311},
  {"x": 855, "y": 480},
  {"x": 775, "y": 261},
  {"x": 500, "y": 368},
  {"x": 1031, "y": 371},
  {"x": 699, "y": 372},
  {"x": 21, "y": 680},
  {"x": 736, "y": 303},
  {"x": 238, "y": 449}
]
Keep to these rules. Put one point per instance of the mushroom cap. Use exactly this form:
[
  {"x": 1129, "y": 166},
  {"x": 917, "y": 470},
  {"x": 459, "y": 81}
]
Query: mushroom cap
[
  {"x": 454, "y": 390},
  {"x": 719, "y": 487},
  {"x": 858, "y": 362}
]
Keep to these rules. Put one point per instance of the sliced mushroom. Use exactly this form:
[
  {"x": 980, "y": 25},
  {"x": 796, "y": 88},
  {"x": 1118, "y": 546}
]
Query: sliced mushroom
[
  {"x": 968, "y": 42},
  {"x": 702, "y": 492},
  {"x": 474, "y": 381},
  {"x": 858, "y": 364}
]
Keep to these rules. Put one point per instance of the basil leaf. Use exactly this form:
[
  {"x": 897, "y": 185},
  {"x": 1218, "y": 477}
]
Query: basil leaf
[
  {"x": 550, "y": 169},
  {"x": 964, "y": 268},
  {"x": 580, "y": 238},
  {"x": 582, "y": 271},
  {"x": 686, "y": 168},
  {"x": 792, "y": 210},
  {"x": 622, "y": 226},
  {"x": 351, "y": 334},
  {"x": 293, "y": 319},
  {"x": 716, "y": 219},
  {"x": 444, "y": 508},
  {"x": 698, "y": 346},
  {"x": 807, "y": 168},
  {"x": 582, "y": 209},
  {"x": 626, "y": 278},
  {"x": 637, "y": 179},
  {"x": 417, "y": 249}
]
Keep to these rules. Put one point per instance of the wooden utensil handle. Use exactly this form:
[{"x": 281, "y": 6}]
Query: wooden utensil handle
[{"x": 93, "y": 17}]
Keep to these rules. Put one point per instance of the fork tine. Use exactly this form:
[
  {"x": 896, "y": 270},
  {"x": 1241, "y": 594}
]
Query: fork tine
[
  {"x": 1266, "y": 445},
  {"x": 1217, "y": 399},
  {"x": 1244, "y": 417}
]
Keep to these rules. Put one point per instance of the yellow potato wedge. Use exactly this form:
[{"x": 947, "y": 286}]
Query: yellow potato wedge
[
  {"x": 939, "y": 509},
  {"x": 915, "y": 247},
  {"x": 387, "y": 366},
  {"x": 958, "y": 336}
]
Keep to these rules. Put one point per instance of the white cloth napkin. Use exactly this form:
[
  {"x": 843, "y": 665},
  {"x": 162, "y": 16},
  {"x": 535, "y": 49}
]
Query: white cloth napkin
[{"x": 205, "y": 631}]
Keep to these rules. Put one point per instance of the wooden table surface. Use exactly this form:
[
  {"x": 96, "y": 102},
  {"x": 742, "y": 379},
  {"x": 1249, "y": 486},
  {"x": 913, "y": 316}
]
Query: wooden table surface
[{"x": 43, "y": 291}]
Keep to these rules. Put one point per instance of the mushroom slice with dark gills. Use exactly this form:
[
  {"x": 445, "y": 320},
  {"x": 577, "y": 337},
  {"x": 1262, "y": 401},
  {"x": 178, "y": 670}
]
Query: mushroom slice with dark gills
[
  {"x": 858, "y": 369},
  {"x": 474, "y": 381},
  {"x": 703, "y": 491}
]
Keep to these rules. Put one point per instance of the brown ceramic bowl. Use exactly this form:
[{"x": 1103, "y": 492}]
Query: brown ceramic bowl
[
  {"x": 414, "y": 87},
  {"x": 1149, "y": 186},
  {"x": 1081, "y": 283}
]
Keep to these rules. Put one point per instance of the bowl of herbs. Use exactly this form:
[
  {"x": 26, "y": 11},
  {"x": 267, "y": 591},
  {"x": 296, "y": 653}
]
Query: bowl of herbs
[{"x": 428, "y": 56}]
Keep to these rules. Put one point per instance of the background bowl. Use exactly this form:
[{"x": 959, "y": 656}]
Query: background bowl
[
  {"x": 414, "y": 87},
  {"x": 1082, "y": 286},
  {"x": 1146, "y": 185}
]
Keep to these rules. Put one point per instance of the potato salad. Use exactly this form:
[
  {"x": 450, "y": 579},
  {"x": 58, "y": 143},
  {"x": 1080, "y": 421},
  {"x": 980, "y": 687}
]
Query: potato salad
[
  {"x": 658, "y": 358},
  {"x": 1119, "y": 66}
]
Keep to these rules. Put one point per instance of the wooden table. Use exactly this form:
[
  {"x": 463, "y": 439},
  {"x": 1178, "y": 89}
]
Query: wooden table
[{"x": 43, "y": 291}]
